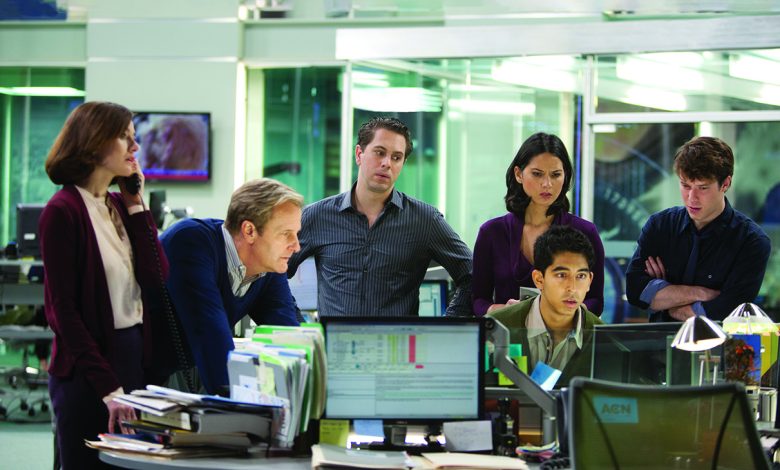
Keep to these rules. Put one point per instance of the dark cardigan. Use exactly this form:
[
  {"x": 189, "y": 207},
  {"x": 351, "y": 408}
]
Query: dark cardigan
[{"x": 77, "y": 302}]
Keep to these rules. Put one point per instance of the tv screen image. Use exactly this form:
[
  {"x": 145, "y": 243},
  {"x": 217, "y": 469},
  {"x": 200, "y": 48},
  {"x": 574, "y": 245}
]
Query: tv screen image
[{"x": 174, "y": 146}]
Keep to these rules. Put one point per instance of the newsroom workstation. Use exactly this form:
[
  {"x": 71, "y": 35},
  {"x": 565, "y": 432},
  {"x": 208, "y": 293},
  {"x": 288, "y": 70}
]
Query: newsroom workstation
[{"x": 474, "y": 79}]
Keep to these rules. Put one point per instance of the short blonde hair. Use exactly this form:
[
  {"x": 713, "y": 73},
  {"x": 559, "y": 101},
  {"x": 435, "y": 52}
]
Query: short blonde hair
[{"x": 255, "y": 201}]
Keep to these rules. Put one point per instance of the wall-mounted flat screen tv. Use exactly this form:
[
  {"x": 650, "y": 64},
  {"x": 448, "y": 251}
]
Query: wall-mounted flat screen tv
[{"x": 174, "y": 146}]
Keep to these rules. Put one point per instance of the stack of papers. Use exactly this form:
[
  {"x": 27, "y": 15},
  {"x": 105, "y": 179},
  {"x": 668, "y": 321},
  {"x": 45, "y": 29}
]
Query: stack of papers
[
  {"x": 459, "y": 460},
  {"x": 176, "y": 424},
  {"x": 326, "y": 456},
  {"x": 119, "y": 445},
  {"x": 285, "y": 367}
]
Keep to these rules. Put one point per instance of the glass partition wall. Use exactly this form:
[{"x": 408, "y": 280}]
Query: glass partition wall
[
  {"x": 34, "y": 102},
  {"x": 643, "y": 107},
  {"x": 622, "y": 118}
]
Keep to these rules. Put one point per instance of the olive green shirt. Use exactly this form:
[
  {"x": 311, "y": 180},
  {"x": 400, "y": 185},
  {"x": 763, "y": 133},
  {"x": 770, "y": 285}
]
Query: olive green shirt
[{"x": 573, "y": 356}]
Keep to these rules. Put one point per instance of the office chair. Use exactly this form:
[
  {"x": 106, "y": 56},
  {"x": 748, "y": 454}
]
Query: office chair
[
  {"x": 23, "y": 389},
  {"x": 613, "y": 425}
]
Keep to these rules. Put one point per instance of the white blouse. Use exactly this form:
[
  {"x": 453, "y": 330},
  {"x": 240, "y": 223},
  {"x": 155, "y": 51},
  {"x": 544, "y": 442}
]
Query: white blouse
[{"x": 117, "y": 255}]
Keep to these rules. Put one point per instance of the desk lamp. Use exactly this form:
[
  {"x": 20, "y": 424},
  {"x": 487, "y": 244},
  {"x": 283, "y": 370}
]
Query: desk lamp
[
  {"x": 699, "y": 333},
  {"x": 748, "y": 319}
]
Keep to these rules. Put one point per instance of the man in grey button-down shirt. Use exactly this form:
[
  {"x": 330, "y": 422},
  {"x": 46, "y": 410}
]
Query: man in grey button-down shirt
[{"x": 373, "y": 244}]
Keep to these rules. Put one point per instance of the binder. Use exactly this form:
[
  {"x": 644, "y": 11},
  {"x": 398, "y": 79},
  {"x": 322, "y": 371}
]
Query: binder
[{"x": 208, "y": 421}]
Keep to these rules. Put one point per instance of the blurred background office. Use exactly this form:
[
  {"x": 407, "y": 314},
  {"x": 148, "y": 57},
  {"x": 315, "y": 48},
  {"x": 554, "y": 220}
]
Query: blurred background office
[
  {"x": 282, "y": 86},
  {"x": 286, "y": 83}
]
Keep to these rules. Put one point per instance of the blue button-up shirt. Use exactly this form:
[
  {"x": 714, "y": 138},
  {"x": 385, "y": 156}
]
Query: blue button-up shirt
[{"x": 733, "y": 255}]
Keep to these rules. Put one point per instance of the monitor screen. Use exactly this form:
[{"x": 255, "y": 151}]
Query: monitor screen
[
  {"x": 641, "y": 353},
  {"x": 174, "y": 146},
  {"x": 405, "y": 369},
  {"x": 304, "y": 285},
  {"x": 433, "y": 299},
  {"x": 27, "y": 242}
]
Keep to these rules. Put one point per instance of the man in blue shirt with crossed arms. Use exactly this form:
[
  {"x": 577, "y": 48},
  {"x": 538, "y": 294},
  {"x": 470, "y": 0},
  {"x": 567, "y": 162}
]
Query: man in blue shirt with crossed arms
[{"x": 703, "y": 258}]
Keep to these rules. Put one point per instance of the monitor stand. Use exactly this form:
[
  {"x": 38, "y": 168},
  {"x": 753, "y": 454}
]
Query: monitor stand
[{"x": 395, "y": 439}]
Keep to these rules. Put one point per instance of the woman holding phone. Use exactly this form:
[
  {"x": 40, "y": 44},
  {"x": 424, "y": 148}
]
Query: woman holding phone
[
  {"x": 101, "y": 260},
  {"x": 537, "y": 181}
]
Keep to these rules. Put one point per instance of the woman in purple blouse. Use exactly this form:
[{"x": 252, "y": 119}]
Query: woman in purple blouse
[
  {"x": 537, "y": 181},
  {"x": 102, "y": 263}
]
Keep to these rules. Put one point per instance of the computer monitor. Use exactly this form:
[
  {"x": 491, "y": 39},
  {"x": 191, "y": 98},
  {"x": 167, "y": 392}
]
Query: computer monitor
[
  {"x": 433, "y": 298},
  {"x": 641, "y": 353},
  {"x": 157, "y": 205},
  {"x": 416, "y": 370},
  {"x": 304, "y": 285},
  {"x": 27, "y": 242}
]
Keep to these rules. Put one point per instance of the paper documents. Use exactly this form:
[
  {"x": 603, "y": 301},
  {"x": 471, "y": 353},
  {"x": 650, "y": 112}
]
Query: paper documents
[
  {"x": 285, "y": 366},
  {"x": 459, "y": 460},
  {"x": 325, "y": 455}
]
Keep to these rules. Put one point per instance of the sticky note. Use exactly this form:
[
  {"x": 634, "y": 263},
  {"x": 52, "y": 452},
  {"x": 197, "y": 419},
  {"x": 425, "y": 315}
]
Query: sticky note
[
  {"x": 369, "y": 427},
  {"x": 334, "y": 431},
  {"x": 545, "y": 375},
  {"x": 465, "y": 436}
]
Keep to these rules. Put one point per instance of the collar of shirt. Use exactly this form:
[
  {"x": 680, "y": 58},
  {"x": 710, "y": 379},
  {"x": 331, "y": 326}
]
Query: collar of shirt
[
  {"x": 535, "y": 324},
  {"x": 346, "y": 200},
  {"x": 239, "y": 284},
  {"x": 713, "y": 227}
]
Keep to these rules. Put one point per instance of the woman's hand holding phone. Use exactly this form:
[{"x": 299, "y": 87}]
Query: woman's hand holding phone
[{"x": 131, "y": 188}]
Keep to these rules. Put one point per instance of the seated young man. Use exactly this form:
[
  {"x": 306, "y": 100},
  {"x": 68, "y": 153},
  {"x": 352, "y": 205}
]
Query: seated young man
[{"x": 554, "y": 327}]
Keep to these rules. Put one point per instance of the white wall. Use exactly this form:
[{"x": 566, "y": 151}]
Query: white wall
[
  {"x": 154, "y": 55},
  {"x": 175, "y": 65}
]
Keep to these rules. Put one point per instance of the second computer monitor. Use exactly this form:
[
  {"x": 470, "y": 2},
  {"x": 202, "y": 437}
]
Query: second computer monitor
[
  {"x": 433, "y": 298},
  {"x": 303, "y": 285},
  {"x": 408, "y": 369}
]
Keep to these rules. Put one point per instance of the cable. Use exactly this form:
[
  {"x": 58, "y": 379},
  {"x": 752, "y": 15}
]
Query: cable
[
  {"x": 184, "y": 360},
  {"x": 557, "y": 461}
]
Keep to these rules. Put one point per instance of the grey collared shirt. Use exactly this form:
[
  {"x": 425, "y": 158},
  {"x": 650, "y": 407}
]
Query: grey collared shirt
[
  {"x": 366, "y": 271},
  {"x": 239, "y": 283},
  {"x": 540, "y": 341}
]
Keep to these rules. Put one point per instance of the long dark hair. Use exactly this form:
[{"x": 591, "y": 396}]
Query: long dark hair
[{"x": 516, "y": 199}]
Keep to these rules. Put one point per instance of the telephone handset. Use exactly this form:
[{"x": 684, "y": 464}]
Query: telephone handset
[{"x": 133, "y": 183}]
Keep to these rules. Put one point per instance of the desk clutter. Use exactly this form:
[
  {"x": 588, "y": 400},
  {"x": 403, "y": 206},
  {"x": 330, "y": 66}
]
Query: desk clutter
[
  {"x": 175, "y": 424},
  {"x": 277, "y": 386},
  {"x": 326, "y": 456}
]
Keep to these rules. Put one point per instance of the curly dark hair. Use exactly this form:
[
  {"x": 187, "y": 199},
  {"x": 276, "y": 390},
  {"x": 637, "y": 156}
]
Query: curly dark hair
[
  {"x": 367, "y": 130},
  {"x": 516, "y": 199},
  {"x": 559, "y": 239},
  {"x": 704, "y": 158}
]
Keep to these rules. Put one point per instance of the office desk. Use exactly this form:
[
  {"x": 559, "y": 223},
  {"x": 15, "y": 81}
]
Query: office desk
[
  {"x": 25, "y": 333},
  {"x": 15, "y": 293},
  {"x": 258, "y": 461},
  {"x": 140, "y": 462}
]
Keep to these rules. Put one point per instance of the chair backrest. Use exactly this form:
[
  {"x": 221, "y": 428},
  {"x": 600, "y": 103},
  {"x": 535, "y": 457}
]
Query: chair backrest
[{"x": 618, "y": 426}]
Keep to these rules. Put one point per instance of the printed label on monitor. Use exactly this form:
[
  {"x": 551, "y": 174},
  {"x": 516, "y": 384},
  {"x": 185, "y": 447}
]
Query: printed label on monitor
[{"x": 616, "y": 410}]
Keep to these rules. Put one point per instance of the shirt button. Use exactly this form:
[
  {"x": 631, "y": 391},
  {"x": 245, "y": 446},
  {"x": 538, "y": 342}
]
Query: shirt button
[{"x": 709, "y": 276}]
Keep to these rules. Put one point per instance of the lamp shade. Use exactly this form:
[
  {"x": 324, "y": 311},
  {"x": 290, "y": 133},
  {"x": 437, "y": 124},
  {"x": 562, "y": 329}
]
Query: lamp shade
[
  {"x": 748, "y": 319},
  {"x": 698, "y": 333}
]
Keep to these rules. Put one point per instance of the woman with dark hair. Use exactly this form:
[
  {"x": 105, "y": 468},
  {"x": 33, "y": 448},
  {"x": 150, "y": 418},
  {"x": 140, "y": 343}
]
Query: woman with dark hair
[
  {"x": 101, "y": 259},
  {"x": 537, "y": 181}
]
